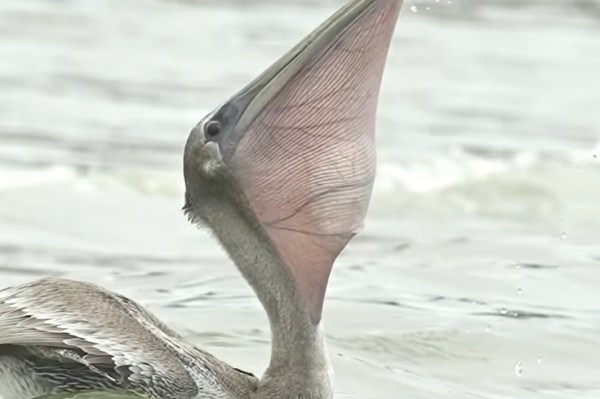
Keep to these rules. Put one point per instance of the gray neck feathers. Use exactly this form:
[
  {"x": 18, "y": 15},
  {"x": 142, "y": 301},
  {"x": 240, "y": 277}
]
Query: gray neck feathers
[{"x": 298, "y": 355}]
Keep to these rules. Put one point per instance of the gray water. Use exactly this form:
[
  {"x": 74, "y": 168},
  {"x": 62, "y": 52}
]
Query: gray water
[{"x": 477, "y": 273}]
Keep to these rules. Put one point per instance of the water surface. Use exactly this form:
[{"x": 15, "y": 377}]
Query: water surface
[{"x": 477, "y": 274}]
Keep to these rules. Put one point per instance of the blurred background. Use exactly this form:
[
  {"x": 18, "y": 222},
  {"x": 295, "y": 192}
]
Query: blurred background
[{"x": 477, "y": 275}]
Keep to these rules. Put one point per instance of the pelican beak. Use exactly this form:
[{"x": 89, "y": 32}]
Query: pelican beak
[
  {"x": 297, "y": 145},
  {"x": 237, "y": 114}
]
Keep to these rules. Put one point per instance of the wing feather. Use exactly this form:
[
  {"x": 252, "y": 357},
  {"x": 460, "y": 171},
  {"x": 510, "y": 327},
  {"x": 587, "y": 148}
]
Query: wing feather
[{"x": 97, "y": 329}]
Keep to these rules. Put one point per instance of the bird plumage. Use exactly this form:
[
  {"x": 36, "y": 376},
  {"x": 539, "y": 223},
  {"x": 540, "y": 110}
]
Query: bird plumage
[
  {"x": 282, "y": 174},
  {"x": 76, "y": 336}
]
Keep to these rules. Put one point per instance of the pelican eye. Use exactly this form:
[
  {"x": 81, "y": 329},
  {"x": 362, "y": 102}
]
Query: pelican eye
[{"x": 212, "y": 128}]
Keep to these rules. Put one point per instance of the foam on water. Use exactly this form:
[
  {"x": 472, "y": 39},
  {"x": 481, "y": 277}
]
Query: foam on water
[{"x": 13, "y": 178}]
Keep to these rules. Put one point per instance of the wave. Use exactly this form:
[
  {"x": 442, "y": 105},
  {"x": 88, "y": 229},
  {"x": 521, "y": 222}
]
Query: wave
[
  {"x": 530, "y": 186},
  {"x": 534, "y": 188},
  {"x": 13, "y": 178}
]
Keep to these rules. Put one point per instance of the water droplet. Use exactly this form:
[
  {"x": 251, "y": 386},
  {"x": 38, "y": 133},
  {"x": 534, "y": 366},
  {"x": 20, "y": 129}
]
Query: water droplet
[
  {"x": 539, "y": 360},
  {"x": 519, "y": 369},
  {"x": 428, "y": 8},
  {"x": 563, "y": 235},
  {"x": 414, "y": 8},
  {"x": 488, "y": 328},
  {"x": 468, "y": 331},
  {"x": 519, "y": 291},
  {"x": 503, "y": 311}
]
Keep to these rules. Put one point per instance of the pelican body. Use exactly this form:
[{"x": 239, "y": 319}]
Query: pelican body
[{"x": 282, "y": 174}]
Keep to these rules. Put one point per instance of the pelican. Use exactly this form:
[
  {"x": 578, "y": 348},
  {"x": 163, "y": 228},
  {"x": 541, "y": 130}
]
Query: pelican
[{"x": 282, "y": 174}]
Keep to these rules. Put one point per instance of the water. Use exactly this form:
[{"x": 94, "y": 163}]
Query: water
[{"x": 477, "y": 273}]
